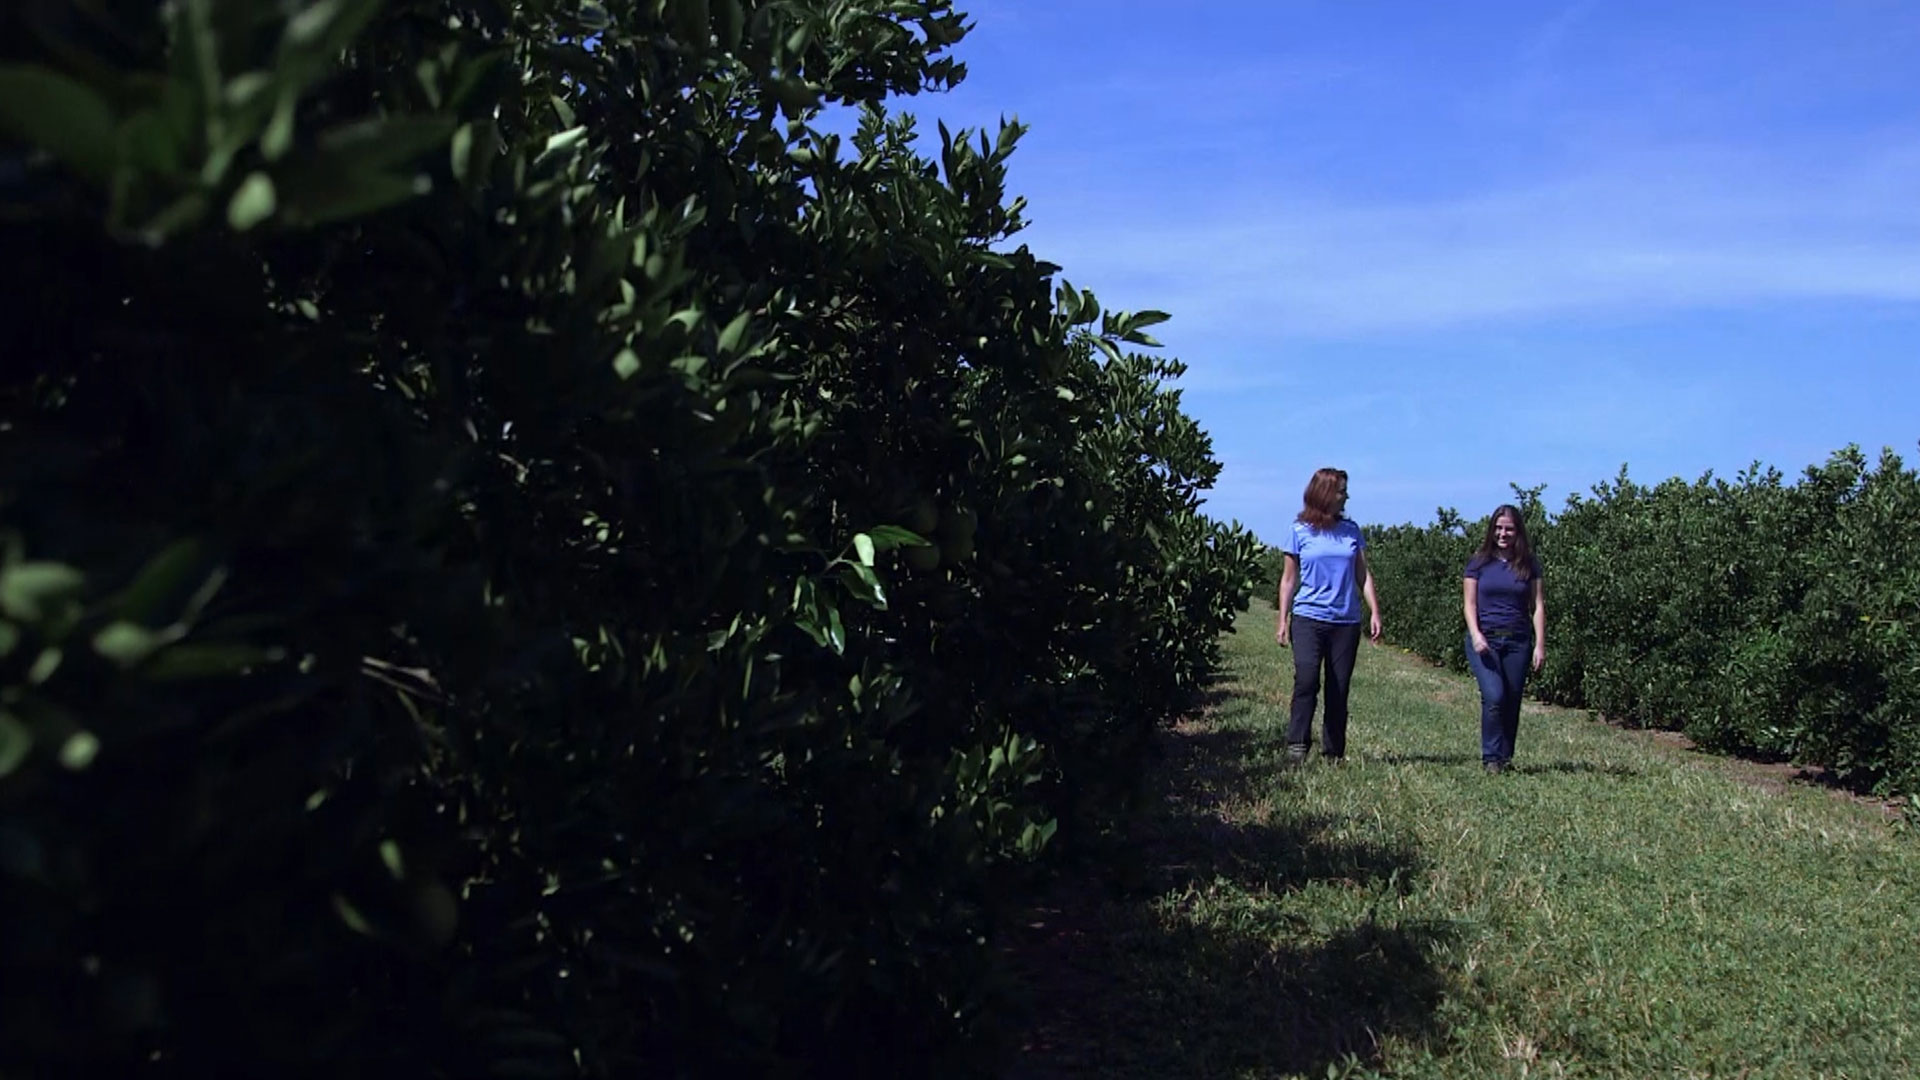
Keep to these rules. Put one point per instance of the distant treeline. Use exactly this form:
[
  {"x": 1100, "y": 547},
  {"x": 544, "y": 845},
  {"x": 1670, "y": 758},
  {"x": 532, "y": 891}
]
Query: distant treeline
[{"x": 1759, "y": 617}]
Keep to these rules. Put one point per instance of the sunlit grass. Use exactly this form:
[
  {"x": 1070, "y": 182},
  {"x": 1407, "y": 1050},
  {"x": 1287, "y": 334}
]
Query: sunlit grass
[{"x": 1609, "y": 908}]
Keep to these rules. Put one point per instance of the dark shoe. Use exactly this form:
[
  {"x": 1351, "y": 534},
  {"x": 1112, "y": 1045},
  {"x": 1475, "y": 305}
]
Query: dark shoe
[
  {"x": 1296, "y": 755},
  {"x": 1495, "y": 768}
]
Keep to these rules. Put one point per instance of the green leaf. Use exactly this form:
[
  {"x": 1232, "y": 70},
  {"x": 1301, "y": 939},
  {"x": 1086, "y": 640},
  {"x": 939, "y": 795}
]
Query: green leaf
[
  {"x": 471, "y": 73},
  {"x": 162, "y": 583},
  {"x": 79, "y": 750},
  {"x": 836, "y": 631},
  {"x": 813, "y": 629},
  {"x": 196, "y": 57},
  {"x": 486, "y": 149},
  {"x": 794, "y": 96},
  {"x": 9, "y": 639},
  {"x": 196, "y": 660},
  {"x": 126, "y": 644},
  {"x": 730, "y": 21},
  {"x": 888, "y": 537},
  {"x": 278, "y": 138},
  {"x": 730, "y": 337},
  {"x": 252, "y": 204},
  {"x": 1068, "y": 301},
  {"x": 863, "y": 547},
  {"x": 182, "y": 214},
  {"x": 460, "y": 151},
  {"x": 203, "y": 595},
  {"x": 245, "y": 89},
  {"x": 30, "y": 590},
  {"x": 627, "y": 364},
  {"x": 865, "y": 584},
  {"x": 383, "y": 143},
  {"x": 66, "y": 118},
  {"x": 322, "y": 197},
  {"x": 322, "y": 30},
  {"x": 797, "y": 39},
  {"x": 1089, "y": 308},
  {"x": 149, "y": 144},
  {"x": 394, "y": 859},
  {"x": 351, "y": 916},
  {"x": 44, "y": 666},
  {"x": 16, "y": 742},
  {"x": 563, "y": 141}
]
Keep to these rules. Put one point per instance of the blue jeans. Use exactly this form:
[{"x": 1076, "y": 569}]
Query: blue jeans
[{"x": 1502, "y": 674}]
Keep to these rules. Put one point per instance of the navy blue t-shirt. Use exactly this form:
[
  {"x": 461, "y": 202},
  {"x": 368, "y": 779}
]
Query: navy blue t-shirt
[{"x": 1502, "y": 596}]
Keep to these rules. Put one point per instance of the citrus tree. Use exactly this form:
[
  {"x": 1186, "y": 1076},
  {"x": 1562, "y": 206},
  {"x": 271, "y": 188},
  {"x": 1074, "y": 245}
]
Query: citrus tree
[{"x": 523, "y": 553}]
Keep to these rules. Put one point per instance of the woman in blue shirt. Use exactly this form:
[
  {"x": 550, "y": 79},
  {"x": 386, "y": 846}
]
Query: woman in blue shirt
[
  {"x": 1324, "y": 575},
  {"x": 1506, "y": 630}
]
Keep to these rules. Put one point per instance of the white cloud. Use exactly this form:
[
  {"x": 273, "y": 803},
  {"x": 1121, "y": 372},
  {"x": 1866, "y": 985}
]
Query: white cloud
[{"x": 1652, "y": 231}]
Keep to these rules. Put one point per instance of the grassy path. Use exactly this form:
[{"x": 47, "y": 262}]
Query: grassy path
[{"x": 1608, "y": 909}]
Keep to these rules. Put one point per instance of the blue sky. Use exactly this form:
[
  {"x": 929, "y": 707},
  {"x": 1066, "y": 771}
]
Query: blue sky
[{"x": 1450, "y": 246}]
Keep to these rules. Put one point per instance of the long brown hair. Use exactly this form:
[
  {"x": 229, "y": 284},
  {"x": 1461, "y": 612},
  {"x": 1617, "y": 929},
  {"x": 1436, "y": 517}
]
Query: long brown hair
[
  {"x": 1521, "y": 562},
  {"x": 1322, "y": 500}
]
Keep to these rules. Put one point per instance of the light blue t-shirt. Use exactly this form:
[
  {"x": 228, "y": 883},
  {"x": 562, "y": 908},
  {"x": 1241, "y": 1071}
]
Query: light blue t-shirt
[{"x": 1328, "y": 583}]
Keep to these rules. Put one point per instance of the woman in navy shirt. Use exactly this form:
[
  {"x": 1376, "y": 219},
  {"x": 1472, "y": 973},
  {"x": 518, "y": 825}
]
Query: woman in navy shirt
[
  {"x": 1319, "y": 602},
  {"x": 1506, "y": 630}
]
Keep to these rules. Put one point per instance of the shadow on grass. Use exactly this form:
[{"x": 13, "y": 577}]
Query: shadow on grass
[
  {"x": 1218, "y": 693},
  {"x": 1213, "y": 825},
  {"x": 1393, "y": 758},
  {"x": 1519, "y": 765},
  {"x": 1573, "y": 767},
  {"x": 1181, "y": 965}
]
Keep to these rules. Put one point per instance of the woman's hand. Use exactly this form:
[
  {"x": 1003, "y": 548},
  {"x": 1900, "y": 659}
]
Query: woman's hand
[
  {"x": 1281, "y": 633},
  {"x": 1480, "y": 643},
  {"x": 1374, "y": 628},
  {"x": 1539, "y": 655}
]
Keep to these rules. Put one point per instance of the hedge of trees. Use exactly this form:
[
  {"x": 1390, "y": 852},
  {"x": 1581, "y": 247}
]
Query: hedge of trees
[
  {"x": 1760, "y": 617},
  {"x": 521, "y": 553}
]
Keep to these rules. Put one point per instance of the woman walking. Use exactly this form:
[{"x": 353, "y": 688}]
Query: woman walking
[
  {"x": 1506, "y": 630},
  {"x": 1324, "y": 576}
]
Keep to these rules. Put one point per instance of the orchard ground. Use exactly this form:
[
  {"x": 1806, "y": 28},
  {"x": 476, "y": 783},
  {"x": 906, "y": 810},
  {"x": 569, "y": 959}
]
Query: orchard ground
[{"x": 1613, "y": 907}]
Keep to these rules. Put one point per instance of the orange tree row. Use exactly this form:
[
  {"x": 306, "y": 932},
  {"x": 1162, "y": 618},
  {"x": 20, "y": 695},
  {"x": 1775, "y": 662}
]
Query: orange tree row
[
  {"x": 1760, "y": 617},
  {"x": 523, "y": 555}
]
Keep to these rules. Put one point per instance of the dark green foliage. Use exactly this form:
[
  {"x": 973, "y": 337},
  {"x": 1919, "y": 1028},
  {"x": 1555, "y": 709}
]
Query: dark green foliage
[
  {"x": 1272, "y": 565},
  {"x": 1412, "y": 568},
  {"x": 1757, "y": 616},
  {"x": 524, "y": 557}
]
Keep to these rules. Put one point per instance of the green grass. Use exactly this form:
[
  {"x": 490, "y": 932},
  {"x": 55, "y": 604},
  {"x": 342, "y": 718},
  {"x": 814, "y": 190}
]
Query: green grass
[{"x": 1610, "y": 908}]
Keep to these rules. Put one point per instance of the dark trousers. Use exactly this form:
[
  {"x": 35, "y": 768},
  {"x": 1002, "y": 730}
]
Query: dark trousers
[
  {"x": 1502, "y": 674},
  {"x": 1333, "y": 646}
]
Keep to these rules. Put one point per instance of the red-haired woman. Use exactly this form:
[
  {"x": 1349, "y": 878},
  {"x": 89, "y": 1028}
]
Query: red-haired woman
[
  {"x": 1320, "y": 589},
  {"x": 1506, "y": 629}
]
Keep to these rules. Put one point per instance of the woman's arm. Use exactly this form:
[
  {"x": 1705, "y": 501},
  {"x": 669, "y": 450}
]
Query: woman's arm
[
  {"x": 1289, "y": 581},
  {"x": 1366, "y": 589},
  {"x": 1539, "y": 623},
  {"x": 1470, "y": 601}
]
